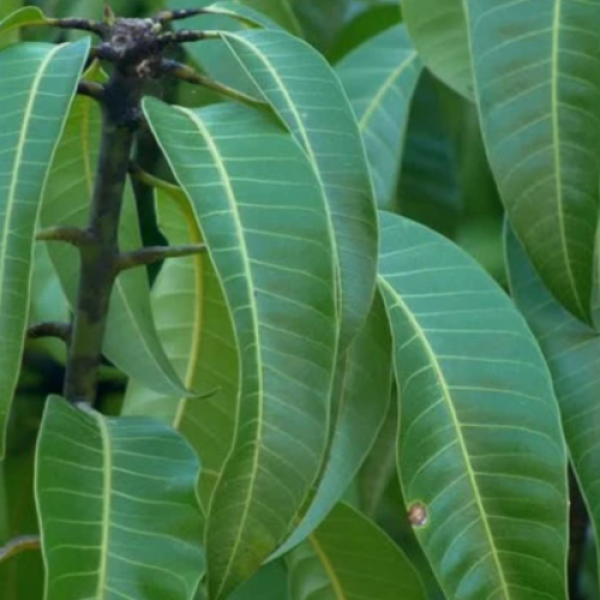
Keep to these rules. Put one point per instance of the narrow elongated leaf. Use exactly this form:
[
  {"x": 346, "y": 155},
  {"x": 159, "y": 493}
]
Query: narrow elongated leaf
[
  {"x": 268, "y": 235},
  {"x": 257, "y": 13},
  {"x": 380, "y": 77},
  {"x": 572, "y": 350},
  {"x": 440, "y": 33},
  {"x": 131, "y": 342},
  {"x": 10, "y": 21},
  {"x": 481, "y": 453},
  {"x": 364, "y": 380},
  {"x": 309, "y": 99},
  {"x": 538, "y": 90},
  {"x": 195, "y": 329},
  {"x": 117, "y": 507},
  {"x": 38, "y": 85},
  {"x": 350, "y": 558}
]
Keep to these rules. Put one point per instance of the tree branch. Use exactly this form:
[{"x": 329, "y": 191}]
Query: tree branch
[
  {"x": 61, "y": 331},
  {"x": 80, "y": 25},
  {"x": 186, "y": 35},
  {"x": 154, "y": 254},
  {"x": 19, "y": 545},
  {"x": 91, "y": 90},
  {"x": 187, "y": 74},
  {"x": 80, "y": 238},
  {"x": 166, "y": 16}
]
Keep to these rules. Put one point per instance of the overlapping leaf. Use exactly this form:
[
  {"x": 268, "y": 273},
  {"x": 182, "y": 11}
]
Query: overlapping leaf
[
  {"x": 131, "y": 341},
  {"x": 572, "y": 350},
  {"x": 380, "y": 77},
  {"x": 264, "y": 220},
  {"x": 350, "y": 558},
  {"x": 440, "y": 33},
  {"x": 117, "y": 506},
  {"x": 195, "y": 329},
  {"x": 38, "y": 85},
  {"x": 11, "y": 21},
  {"x": 538, "y": 89},
  {"x": 309, "y": 99},
  {"x": 481, "y": 452}
]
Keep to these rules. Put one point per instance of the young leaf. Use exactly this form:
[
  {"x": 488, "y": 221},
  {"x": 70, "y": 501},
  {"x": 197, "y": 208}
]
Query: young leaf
[
  {"x": 538, "y": 90},
  {"x": 39, "y": 82},
  {"x": 572, "y": 350},
  {"x": 21, "y": 18},
  {"x": 349, "y": 558},
  {"x": 131, "y": 341},
  {"x": 195, "y": 329},
  {"x": 268, "y": 235},
  {"x": 117, "y": 507},
  {"x": 364, "y": 381},
  {"x": 307, "y": 96},
  {"x": 380, "y": 77},
  {"x": 481, "y": 453},
  {"x": 440, "y": 33}
]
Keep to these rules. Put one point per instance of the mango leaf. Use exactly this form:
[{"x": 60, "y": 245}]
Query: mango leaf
[
  {"x": 131, "y": 342},
  {"x": 270, "y": 583},
  {"x": 380, "y": 77},
  {"x": 308, "y": 98},
  {"x": 572, "y": 350},
  {"x": 364, "y": 381},
  {"x": 268, "y": 234},
  {"x": 321, "y": 21},
  {"x": 440, "y": 33},
  {"x": 117, "y": 506},
  {"x": 478, "y": 418},
  {"x": 11, "y": 21},
  {"x": 195, "y": 330},
  {"x": 538, "y": 91},
  {"x": 349, "y": 558},
  {"x": 257, "y": 13},
  {"x": 39, "y": 82}
]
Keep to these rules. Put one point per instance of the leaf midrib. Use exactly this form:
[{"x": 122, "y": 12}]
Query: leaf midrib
[
  {"x": 461, "y": 441},
  {"x": 328, "y": 567}
]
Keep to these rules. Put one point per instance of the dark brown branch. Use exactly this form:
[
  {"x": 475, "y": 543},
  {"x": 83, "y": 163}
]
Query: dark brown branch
[
  {"x": 167, "y": 16},
  {"x": 79, "y": 25},
  {"x": 75, "y": 236},
  {"x": 154, "y": 254},
  {"x": 20, "y": 545},
  {"x": 187, "y": 74},
  {"x": 186, "y": 35},
  {"x": 62, "y": 331},
  {"x": 91, "y": 90}
]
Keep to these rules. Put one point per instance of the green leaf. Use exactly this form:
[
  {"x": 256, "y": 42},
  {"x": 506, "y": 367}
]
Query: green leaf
[
  {"x": 538, "y": 90},
  {"x": 117, "y": 506},
  {"x": 365, "y": 372},
  {"x": 572, "y": 350},
  {"x": 39, "y": 82},
  {"x": 309, "y": 99},
  {"x": 195, "y": 330},
  {"x": 257, "y": 13},
  {"x": 131, "y": 341},
  {"x": 350, "y": 558},
  {"x": 21, "y": 18},
  {"x": 321, "y": 21},
  {"x": 481, "y": 453},
  {"x": 380, "y": 77},
  {"x": 440, "y": 33},
  {"x": 270, "y": 583},
  {"x": 268, "y": 235}
]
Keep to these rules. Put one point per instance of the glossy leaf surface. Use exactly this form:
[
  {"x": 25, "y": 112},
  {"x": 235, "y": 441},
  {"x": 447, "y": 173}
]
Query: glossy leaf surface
[
  {"x": 380, "y": 77},
  {"x": 538, "y": 91},
  {"x": 118, "y": 508},
  {"x": 268, "y": 235},
  {"x": 38, "y": 85},
  {"x": 349, "y": 558},
  {"x": 478, "y": 420},
  {"x": 309, "y": 99}
]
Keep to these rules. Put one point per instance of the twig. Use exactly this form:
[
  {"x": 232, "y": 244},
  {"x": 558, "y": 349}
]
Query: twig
[
  {"x": 79, "y": 24},
  {"x": 75, "y": 236},
  {"x": 154, "y": 254},
  {"x": 91, "y": 89},
  {"x": 20, "y": 545},
  {"x": 166, "y": 16},
  {"x": 62, "y": 331},
  {"x": 186, "y": 35}
]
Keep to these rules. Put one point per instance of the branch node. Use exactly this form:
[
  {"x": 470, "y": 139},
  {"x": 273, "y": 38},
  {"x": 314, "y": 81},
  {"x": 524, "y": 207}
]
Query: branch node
[
  {"x": 80, "y": 238},
  {"x": 62, "y": 331},
  {"x": 153, "y": 254}
]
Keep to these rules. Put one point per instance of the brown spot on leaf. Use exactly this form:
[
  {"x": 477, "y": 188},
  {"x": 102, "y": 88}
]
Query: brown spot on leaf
[{"x": 417, "y": 515}]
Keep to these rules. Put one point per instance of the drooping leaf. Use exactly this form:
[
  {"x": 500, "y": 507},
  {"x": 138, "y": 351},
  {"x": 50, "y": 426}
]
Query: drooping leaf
[
  {"x": 321, "y": 21},
  {"x": 11, "y": 21},
  {"x": 440, "y": 33},
  {"x": 117, "y": 506},
  {"x": 380, "y": 77},
  {"x": 39, "y": 82},
  {"x": 309, "y": 99},
  {"x": 131, "y": 341},
  {"x": 195, "y": 329},
  {"x": 481, "y": 453},
  {"x": 364, "y": 384},
  {"x": 572, "y": 350},
  {"x": 349, "y": 558},
  {"x": 268, "y": 235},
  {"x": 538, "y": 91}
]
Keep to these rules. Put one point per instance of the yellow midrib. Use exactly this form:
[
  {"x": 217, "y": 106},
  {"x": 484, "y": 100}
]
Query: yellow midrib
[{"x": 328, "y": 567}]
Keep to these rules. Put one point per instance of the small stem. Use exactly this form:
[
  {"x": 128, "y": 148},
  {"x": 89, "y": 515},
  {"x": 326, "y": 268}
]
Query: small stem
[
  {"x": 19, "y": 545},
  {"x": 75, "y": 236},
  {"x": 61, "y": 331},
  {"x": 78, "y": 24},
  {"x": 167, "y": 16},
  {"x": 187, "y": 35},
  {"x": 91, "y": 89},
  {"x": 185, "y": 73},
  {"x": 154, "y": 254}
]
